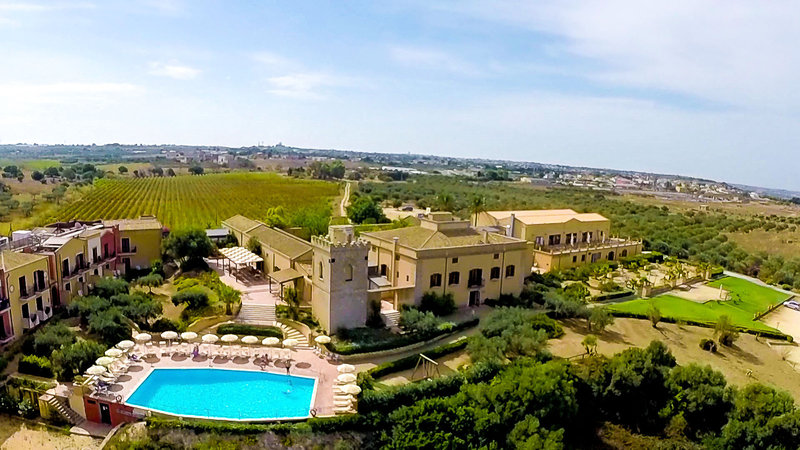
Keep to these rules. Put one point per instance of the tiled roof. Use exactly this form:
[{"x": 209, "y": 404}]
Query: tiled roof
[
  {"x": 241, "y": 223},
  {"x": 11, "y": 259},
  {"x": 281, "y": 241},
  {"x": 547, "y": 216},
  {"x": 425, "y": 238}
]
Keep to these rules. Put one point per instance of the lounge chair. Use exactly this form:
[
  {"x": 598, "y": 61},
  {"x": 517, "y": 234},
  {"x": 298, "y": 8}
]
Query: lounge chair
[{"x": 344, "y": 410}]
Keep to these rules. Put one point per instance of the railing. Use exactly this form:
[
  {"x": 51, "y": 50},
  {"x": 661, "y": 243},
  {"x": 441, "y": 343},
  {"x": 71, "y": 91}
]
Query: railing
[
  {"x": 108, "y": 256},
  {"x": 472, "y": 283},
  {"x": 578, "y": 246},
  {"x": 129, "y": 250}
]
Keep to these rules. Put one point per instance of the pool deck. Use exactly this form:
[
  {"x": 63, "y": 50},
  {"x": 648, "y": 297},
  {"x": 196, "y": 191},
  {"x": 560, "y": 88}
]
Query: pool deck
[{"x": 304, "y": 363}]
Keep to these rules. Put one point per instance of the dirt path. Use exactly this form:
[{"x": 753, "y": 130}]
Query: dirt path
[
  {"x": 345, "y": 200},
  {"x": 748, "y": 354},
  {"x": 17, "y": 434}
]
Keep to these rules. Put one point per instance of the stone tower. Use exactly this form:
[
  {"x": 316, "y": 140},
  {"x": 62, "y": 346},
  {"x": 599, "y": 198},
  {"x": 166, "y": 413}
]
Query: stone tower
[{"x": 340, "y": 279}]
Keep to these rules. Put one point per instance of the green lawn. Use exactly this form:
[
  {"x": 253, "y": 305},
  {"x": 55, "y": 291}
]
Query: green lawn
[{"x": 752, "y": 299}]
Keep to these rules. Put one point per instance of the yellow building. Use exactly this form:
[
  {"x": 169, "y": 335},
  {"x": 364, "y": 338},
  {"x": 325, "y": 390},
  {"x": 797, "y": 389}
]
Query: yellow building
[
  {"x": 139, "y": 242},
  {"x": 26, "y": 291},
  {"x": 445, "y": 255},
  {"x": 562, "y": 238}
]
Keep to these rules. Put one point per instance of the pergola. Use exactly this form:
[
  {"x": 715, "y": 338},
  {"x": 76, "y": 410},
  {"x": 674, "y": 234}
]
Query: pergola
[
  {"x": 239, "y": 256},
  {"x": 282, "y": 277}
]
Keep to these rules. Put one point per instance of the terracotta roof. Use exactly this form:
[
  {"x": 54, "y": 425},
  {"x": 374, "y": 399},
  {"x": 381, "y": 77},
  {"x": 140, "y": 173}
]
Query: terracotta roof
[
  {"x": 425, "y": 238},
  {"x": 11, "y": 259},
  {"x": 241, "y": 223},
  {"x": 547, "y": 216}
]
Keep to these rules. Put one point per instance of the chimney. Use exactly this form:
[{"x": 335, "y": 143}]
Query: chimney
[
  {"x": 513, "y": 225},
  {"x": 485, "y": 237}
]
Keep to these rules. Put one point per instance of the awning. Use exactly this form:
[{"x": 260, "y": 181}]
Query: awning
[
  {"x": 285, "y": 275},
  {"x": 240, "y": 255}
]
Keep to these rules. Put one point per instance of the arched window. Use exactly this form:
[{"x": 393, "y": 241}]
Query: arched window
[
  {"x": 436, "y": 280},
  {"x": 624, "y": 253},
  {"x": 610, "y": 256},
  {"x": 348, "y": 273},
  {"x": 320, "y": 270}
]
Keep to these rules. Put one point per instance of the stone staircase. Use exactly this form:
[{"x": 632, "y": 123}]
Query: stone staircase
[
  {"x": 257, "y": 314},
  {"x": 391, "y": 317},
  {"x": 63, "y": 409},
  {"x": 292, "y": 333}
]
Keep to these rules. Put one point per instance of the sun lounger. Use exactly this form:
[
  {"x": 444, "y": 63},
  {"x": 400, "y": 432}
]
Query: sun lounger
[{"x": 344, "y": 410}]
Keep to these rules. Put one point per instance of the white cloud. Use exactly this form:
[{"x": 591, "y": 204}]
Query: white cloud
[
  {"x": 735, "y": 52},
  {"x": 303, "y": 85},
  {"x": 430, "y": 58},
  {"x": 175, "y": 71}
]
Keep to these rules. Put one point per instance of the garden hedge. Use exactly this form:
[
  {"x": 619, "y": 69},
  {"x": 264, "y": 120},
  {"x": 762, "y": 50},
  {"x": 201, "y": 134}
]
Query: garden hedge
[
  {"x": 254, "y": 330},
  {"x": 35, "y": 365},
  {"x": 410, "y": 361},
  {"x": 612, "y": 295},
  {"x": 401, "y": 340}
]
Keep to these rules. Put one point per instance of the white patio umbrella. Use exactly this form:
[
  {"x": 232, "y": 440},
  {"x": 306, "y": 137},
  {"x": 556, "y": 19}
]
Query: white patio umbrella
[
  {"x": 188, "y": 335},
  {"x": 104, "y": 361},
  {"x": 114, "y": 352},
  {"x": 143, "y": 337},
  {"x": 96, "y": 370},
  {"x": 322, "y": 339},
  {"x": 346, "y": 378},
  {"x": 351, "y": 389},
  {"x": 271, "y": 341},
  {"x": 126, "y": 345},
  {"x": 169, "y": 336},
  {"x": 346, "y": 368},
  {"x": 250, "y": 340},
  {"x": 210, "y": 338},
  {"x": 230, "y": 338},
  {"x": 289, "y": 343}
]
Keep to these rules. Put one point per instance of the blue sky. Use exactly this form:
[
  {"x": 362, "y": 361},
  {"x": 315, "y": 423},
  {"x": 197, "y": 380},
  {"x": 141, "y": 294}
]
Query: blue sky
[{"x": 699, "y": 88}]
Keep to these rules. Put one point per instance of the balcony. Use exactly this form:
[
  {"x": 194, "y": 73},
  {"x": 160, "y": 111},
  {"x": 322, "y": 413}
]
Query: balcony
[
  {"x": 476, "y": 283},
  {"x": 26, "y": 294},
  {"x": 109, "y": 256},
  {"x": 30, "y": 321},
  {"x": 46, "y": 314},
  {"x": 128, "y": 251},
  {"x": 4, "y": 305},
  {"x": 607, "y": 244}
]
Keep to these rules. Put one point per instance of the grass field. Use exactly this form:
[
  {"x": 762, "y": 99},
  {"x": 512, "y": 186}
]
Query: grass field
[
  {"x": 198, "y": 201},
  {"x": 785, "y": 243},
  {"x": 30, "y": 164},
  {"x": 752, "y": 299}
]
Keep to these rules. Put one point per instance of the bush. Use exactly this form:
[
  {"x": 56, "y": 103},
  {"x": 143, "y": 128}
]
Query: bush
[
  {"x": 409, "y": 362},
  {"x": 76, "y": 358},
  {"x": 108, "y": 287},
  {"x": 612, "y": 295},
  {"x": 365, "y": 340},
  {"x": 708, "y": 345},
  {"x": 608, "y": 286},
  {"x": 109, "y": 326},
  {"x": 36, "y": 365},
  {"x": 51, "y": 337},
  {"x": 425, "y": 323},
  {"x": 165, "y": 324},
  {"x": 194, "y": 297},
  {"x": 27, "y": 409},
  {"x": 254, "y": 330},
  {"x": 439, "y": 305}
]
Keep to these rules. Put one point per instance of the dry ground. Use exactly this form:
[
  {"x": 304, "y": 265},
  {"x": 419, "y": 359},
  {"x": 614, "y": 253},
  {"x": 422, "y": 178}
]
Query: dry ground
[
  {"x": 766, "y": 364},
  {"x": 787, "y": 321},
  {"x": 447, "y": 365},
  {"x": 699, "y": 293},
  {"x": 17, "y": 435},
  {"x": 743, "y": 209},
  {"x": 784, "y": 243}
]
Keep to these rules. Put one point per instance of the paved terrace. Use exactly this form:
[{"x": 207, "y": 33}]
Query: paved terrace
[{"x": 304, "y": 363}]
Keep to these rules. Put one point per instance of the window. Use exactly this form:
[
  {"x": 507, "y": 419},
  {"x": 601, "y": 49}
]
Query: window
[
  {"x": 495, "y": 273},
  {"x": 497, "y": 256},
  {"x": 624, "y": 253},
  {"x": 348, "y": 273},
  {"x": 610, "y": 256},
  {"x": 67, "y": 287},
  {"x": 509, "y": 271},
  {"x": 583, "y": 258},
  {"x": 475, "y": 278},
  {"x": 126, "y": 245},
  {"x": 575, "y": 258},
  {"x": 319, "y": 268},
  {"x": 23, "y": 287},
  {"x": 453, "y": 278},
  {"x": 436, "y": 280},
  {"x": 554, "y": 239},
  {"x": 455, "y": 260},
  {"x": 65, "y": 268},
  {"x": 539, "y": 240},
  {"x": 384, "y": 270}
]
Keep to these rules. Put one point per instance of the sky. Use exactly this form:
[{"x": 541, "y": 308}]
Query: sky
[{"x": 691, "y": 87}]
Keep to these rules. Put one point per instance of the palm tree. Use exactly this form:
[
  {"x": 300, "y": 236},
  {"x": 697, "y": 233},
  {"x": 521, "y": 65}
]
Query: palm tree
[
  {"x": 446, "y": 201},
  {"x": 476, "y": 206},
  {"x": 292, "y": 299}
]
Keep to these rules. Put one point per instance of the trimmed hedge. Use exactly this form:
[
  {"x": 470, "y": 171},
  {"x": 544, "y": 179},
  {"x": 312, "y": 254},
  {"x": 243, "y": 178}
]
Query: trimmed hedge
[
  {"x": 254, "y": 330},
  {"x": 612, "y": 295},
  {"x": 209, "y": 426},
  {"x": 697, "y": 323},
  {"x": 401, "y": 340},
  {"x": 35, "y": 365},
  {"x": 388, "y": 400}
]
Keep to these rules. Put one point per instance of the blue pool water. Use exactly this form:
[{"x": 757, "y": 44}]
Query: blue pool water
[{"x": 229, "y": 394}]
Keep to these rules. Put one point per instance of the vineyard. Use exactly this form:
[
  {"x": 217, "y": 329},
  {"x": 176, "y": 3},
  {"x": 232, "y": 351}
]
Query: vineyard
[{"x": 198, "y": 201}]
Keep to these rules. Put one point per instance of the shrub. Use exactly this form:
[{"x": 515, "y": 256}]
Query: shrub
[
  {"x": 608, "y": 286},
  {"x": 194, "y": 298},
  {"x": 255, "y": 330},
  {"x": 165, "y": 324},
  {"x": 36, "y": 365},
  {"x": 439, "y": 305},
  {"x": 409, "y": 362},
  {"x": 51, "y": 337},
  {"x": 708, "y": 345},
  {"x": 425, "y": 323},
  {"x": 109, "y": 326},
  {"x": 27, "y": 409},
  {"x": 76, "y": 358},
  {"x": 364, "y": 340}
]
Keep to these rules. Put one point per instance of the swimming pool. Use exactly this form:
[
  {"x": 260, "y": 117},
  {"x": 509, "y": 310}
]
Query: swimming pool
[{"x": 225, "y": 394}]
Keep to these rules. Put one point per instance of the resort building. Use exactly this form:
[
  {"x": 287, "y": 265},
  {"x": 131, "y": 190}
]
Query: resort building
[
  {"x": 139, "y": 241},
  {"x": 445, "y": 255},
  {"x": 561, "y": 238},
  {"x": 25, "y": 290}
]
